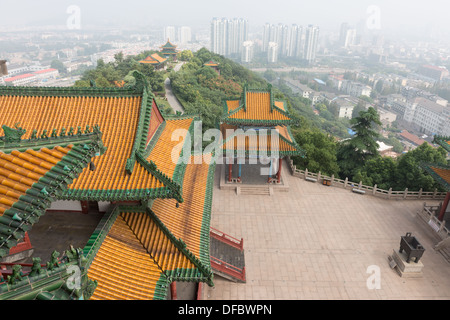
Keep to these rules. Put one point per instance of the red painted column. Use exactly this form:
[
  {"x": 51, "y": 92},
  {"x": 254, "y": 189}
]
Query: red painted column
[
  {"x": 173, "y": 290},
  {"x": 280, "y": 162},
  {"x": 84, "y": 207},
  {"x": 444, "y": 207}
]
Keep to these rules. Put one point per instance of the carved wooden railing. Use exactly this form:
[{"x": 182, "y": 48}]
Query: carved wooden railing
[
  {"x": 227, "y": 268},
  {"x": 234, "y": 242}
]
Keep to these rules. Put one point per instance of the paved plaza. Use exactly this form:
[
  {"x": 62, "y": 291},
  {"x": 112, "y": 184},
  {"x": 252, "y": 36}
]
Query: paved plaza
[{"x": 320, "y": 242}]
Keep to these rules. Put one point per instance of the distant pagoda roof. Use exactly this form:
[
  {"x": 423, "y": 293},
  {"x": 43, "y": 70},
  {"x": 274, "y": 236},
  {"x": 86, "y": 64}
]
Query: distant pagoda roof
[
  {"x": 168, "y": 48},
  {"x": 211, "y": 63},
  {"x": 154, "y": 59}
]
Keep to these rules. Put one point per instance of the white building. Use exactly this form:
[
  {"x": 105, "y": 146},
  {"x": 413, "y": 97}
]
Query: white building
[
  {"x": 311, "y": 42},
  {"x": 272, "y": 52},
  {"x": 355, "y": 89},
  {"x": 228, "y": 36},
  {"x": 345, "y": 105},
  {"x": 184, "y": 35},
  {"x": 430, "y": 117},
  {"x": 21, "y": 80},
  {"x": 170, "y": 33},
  {"x": 247, "y": 51},
  {"x": 46, "y": 74}
]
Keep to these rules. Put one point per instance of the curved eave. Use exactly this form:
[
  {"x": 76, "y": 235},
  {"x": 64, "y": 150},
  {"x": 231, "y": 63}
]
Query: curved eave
[
  {"x": 444, "y": 181},
  {"x": 21, "y": 216}
]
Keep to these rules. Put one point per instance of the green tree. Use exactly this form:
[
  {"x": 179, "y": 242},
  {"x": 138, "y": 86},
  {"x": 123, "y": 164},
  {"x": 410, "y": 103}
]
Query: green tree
[
  {"x": 354, "y": 152},
  {"x": 57, "y": 64},
  {"x": 410, "y": 175},
  {"x": 320, "y": 151},
  {"x": 380, "y": 171},
  {"x": 186, "y": 55}
]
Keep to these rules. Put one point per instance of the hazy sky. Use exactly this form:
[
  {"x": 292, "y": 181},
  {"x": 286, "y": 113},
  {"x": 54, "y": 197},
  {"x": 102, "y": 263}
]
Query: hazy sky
[{"x": 407, "y": 15}]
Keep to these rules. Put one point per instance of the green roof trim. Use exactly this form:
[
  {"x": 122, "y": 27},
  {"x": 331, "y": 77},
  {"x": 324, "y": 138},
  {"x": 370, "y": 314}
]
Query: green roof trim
[
  {"x": 68, "y": 91},
  {"x": 205, "y": 239},
  {"x": 428, "y": 168},
  {"x": 443, "y": 141},
  {"x": 26, "y": 211},
  {"x": 181, "y": 245},
  {"x": 52, "y": 282}
]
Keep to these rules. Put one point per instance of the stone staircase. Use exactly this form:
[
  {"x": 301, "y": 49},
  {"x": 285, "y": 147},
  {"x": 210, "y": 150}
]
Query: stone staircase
[
  {"x": 227, "y": 257},
  {"x": 254, "y": 190}
]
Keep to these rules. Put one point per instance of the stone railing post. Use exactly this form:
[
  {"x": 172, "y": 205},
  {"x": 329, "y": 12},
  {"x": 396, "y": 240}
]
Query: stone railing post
[
  {"x": 332, "y": 179},
  {"x": 420, "y": 193},
  {"x": 318, "y": 176},
  {"x": 389, "y": 193},
  {"x": 345, "y": 182},
  {"x": 405, "y": 193},
  {"x": 374, "y": 191},
  {"x": 306, "y": 173}
]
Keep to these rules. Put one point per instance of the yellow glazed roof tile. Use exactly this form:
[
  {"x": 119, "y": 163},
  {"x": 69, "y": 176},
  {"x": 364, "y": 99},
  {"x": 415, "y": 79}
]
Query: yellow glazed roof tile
[
  {"x": 166, "y": 152},
  {"x": 123, "y": 268},
  {"x": 116, "y": 116},
  {"x": 20, "y": 170},
  {"x": 257, "y": 108},
  {"x": 185, "y": 222}
]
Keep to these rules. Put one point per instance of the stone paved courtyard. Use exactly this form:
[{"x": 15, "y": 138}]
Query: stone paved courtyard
[{"x": 319, "y": 242}]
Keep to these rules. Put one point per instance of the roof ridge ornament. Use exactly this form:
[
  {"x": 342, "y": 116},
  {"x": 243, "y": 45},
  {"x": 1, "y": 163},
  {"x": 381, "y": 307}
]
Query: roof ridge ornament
[
  {"x": 136, "y": 80},
  {"x": 13, "y": 135}
]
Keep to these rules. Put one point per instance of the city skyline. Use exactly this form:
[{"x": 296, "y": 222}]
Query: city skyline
[{"x": 415, "y": 17}]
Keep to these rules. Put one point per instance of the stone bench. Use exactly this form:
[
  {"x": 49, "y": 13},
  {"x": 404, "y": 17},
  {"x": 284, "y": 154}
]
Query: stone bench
[
  {"x": 311, "y": 179},
  {"x": 356, "y": 190}
]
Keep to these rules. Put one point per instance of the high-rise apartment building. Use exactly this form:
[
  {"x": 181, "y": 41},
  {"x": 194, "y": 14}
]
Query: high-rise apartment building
[
  {"x": 311, "y": 42},
  {"x": 347, "y": 36},
  {"x": 184, "y": 35},
  {"x": 228, "y": 35},
  {"x": 247, "y": 51},
  {"x": 272, "y": 52},
  {"x": 170, "y": 33},
  {"x": 289, "y": 39}
]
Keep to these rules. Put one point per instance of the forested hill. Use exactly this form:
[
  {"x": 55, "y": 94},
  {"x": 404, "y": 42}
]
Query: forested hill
[{"x": 202, "y": 91}]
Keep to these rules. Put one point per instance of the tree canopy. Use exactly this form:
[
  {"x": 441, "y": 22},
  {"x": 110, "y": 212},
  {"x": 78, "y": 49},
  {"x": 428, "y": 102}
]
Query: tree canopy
[{"x": 353, "y": 153}]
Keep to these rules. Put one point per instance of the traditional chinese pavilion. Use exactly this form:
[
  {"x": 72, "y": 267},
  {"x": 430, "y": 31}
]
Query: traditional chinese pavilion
[
  {"x": 155, "y": 60},
  {"x": 155, "y": 229},
  {"x": 257, "y": 126},
  {"x": 213, "y": 64},
  {"x": 441, "y": 173},
  {"x": 169, "y": 51}
]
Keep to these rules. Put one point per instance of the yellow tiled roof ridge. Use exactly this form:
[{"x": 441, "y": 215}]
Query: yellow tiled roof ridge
[
  {"x": 140, "y": 223},
  {"x": 236, "y": 116},
  {"x": 116, "y": 240},
  {"x": 142, "y": 128},
  {"x": 23, "y": 213},
  {"x": 172, "y": 186},
  {"x": 181, "y": 245}
]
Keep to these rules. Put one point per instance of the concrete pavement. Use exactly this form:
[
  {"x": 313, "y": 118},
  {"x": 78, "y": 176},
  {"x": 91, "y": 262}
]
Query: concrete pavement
[{"x": 319, "y": 242}]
